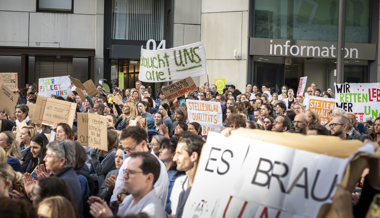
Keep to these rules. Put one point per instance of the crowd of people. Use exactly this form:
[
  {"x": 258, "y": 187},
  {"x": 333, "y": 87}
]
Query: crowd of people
[{"x": 153, "y": 149}]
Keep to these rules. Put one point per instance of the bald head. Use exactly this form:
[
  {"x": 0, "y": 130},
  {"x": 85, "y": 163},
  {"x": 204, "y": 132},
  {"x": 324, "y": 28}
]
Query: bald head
[{"x": 300, "y": 123}]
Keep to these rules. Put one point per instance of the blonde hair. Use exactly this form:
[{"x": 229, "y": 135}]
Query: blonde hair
[
  {"x": 132, "y": 110},
  {"x": 3, "y": 155},
  {"x": 13, "y": 149},
  {"x": 315, "y": 119},
  {"x": 7, "y": 172},
  {"x": 59, "y": 207},
  {"x": 31, "y": 130}
]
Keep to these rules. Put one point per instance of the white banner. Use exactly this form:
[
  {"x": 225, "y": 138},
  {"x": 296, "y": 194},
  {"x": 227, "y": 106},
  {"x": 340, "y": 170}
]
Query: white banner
[
  {"x": 59, "y": 86},
  {"x": 360, "y": 98},
  {"x": 172, "y": 64},
  {"x": 241, "y": 177},
  {"x": 206, "y": 113}
]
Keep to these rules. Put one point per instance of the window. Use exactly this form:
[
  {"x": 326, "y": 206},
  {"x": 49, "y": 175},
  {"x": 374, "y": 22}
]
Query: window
[
  {"x": 311, "y": 20},
  {"x": 138, "y": 19},
  {"x": 55, "y": 5}
]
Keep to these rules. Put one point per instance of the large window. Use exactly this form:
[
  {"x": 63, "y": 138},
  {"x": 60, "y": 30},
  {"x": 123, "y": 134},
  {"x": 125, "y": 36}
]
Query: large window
[
  {"x": 311, "y": 20},
  {"x": 138, "y": 19},
  {"x": 55, "y": 5}
]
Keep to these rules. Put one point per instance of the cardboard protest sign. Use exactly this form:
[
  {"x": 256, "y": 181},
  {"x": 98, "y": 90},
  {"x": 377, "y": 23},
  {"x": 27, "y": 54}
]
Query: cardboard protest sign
[
  {"x": 10, "y": 80},
  {"x": 220, "y": 85},
  {"x": 77, "y": 83},
  {"x": 267, "y": 174},
  {"x": 80, "y": 93},
  {"x": 90, "y": 88},
  {"x": 322, "y": 106},
  {"x": 117, "y": 99},
  {"x": 8, "y": 100},
  {"x": 360, "y": 98},
  {"x": 172, "y": 64},
  {"x": 49, "y": 111},
  {"x": 179, "y": 88},
  {"x": 59, "y": 86},
  {"x": 32, "y": 108},
  {"x": 301, "y": 86},
  {"x": 206, "y": 113},
  {"x": 92, "y": 130}
]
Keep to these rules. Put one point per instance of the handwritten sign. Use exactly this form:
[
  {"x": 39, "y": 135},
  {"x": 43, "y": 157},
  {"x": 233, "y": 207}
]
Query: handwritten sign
[
  {"x": 360, "y": 98},
  {"x": 177, "y": 63},
  {"x": 302, "y": 86},
  {"x": 49, "y": 111},
  {"x": 285, "y": 180},
  {"x": 220, "y": 85},
  {"x": 92, "y": 130},
  {"x": 59, "y": 86},
  {"x": 10, "y": 80},
  {"x": 8, "y": 100},
  {"x": 322, "y": 106},
  {"x": 179, "y": 88},
  {"x": 208, "y": 114}
]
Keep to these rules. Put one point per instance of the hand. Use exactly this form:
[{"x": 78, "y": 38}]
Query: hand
[
  {"x": 99, "y": 208},
  {"x": 110, "y": 183},
  {"x": 41, "y": 171},
  {"x": 16, "y": 195},
  {"x": 55, "y": 127},
  {"x": 163, "y": 130},
  {"x": 28, "y": 183},
  {"x": 341, "y": 202}
]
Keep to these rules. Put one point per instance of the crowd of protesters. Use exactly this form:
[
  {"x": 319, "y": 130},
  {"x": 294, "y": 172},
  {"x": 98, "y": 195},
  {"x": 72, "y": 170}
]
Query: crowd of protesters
[{"x": 153, "y": 149}]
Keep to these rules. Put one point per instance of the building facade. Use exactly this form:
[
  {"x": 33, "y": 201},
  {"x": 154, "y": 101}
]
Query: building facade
[{"x": 277, "y": 42}]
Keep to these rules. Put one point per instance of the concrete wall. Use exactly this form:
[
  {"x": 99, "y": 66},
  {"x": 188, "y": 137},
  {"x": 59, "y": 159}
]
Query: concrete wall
[
  {"x": 187, "y": 23},
  {"x": 22, "y": 26},
  {"x": 316, "y": 72},
  {"x": 225, "y": 34}
]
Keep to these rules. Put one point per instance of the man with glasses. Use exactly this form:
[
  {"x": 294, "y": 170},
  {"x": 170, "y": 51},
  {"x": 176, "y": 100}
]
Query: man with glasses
[
  {"x": 141, "y": 174},
  {"x": 299, "y": 123},
  {"x": 133, "y": 139},
  {"x": 339, "y": 126}
]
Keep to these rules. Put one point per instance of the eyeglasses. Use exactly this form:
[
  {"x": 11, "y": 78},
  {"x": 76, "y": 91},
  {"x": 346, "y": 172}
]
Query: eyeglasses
[
  {"x": 296, "y": 122},
  {"x": 130, "y": 172},
  {"x": 130, "y": 149},
  {"x": 335, "y": 124}
]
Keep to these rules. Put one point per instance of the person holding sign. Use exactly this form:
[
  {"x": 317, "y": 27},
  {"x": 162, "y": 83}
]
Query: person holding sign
[{"x": 129, "y": 112}]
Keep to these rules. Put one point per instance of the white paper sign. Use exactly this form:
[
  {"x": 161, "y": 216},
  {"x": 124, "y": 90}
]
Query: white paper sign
[
  {"x": 360, "y": 98},
  {"x": 206, "y": 113},
  {"x": 301, "y": 86},
  {"x": 59, "y": 86},
  {"x": 172, "y": 64},
  {"x": 241, "y": 177}
]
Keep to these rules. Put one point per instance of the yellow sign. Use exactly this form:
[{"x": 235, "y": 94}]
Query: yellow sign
[{"x": 220, "y": 85}]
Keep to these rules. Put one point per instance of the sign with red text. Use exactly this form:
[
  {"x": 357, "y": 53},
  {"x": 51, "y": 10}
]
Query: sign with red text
[
  {"x": 59, "y": 86},
  {"x": 179, "y": 88},
  {"x": 322, "y": 106},
  {"x": 301, "y": 86},
  {"x": 243, "y": 177},
  {"x": 10, "y": 80},
  {"x": 206, "y": 113},
  {"x": 363, "y": 99},
  {"x": 177, "y": 63}
]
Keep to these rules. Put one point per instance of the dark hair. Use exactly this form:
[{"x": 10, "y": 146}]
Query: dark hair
[
  {"x": 167, "y": 108},
  {"x": 149, "y": 164},
  {"x": 193, "y": 142},
  {"x": 67, "y": 129},
  {"x": 166, "y": 143},
  {"x": 23, "y": 107},
  {"x": 197, "y": 127},
  {"x": 42, "y": 141},
  {"x": 162, "y": 116},
  {"x": 236, "y": 119},
  {"x": 287, "y": 123},
  {"x": 52, "y": 186},
  {"x": 16, "y": 208},
  {"x": 282, "y": 105},
  {"x": 80, "y": 156},
  {"x": 136, "y": 133},
  {"x": 112, "y": 139},
  {"x": 321, "y": 130},
  {"x": 232, "y": 109},
  {"x": 183, "y": 125},
  {"x": 291, "y": 114},
  {"x": 269, "y": 107}
]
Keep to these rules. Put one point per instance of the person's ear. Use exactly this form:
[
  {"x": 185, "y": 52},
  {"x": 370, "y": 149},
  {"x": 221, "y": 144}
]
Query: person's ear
[
  {"x": 62, "y": 162},
  {"x": 194, "y": 157}
]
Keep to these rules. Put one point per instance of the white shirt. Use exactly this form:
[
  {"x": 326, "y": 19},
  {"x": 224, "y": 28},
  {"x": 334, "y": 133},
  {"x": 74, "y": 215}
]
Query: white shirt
[
  {"x": 160, "y": 187},
  {"x": 149, "y": 204},
  {"x": 180, "y": 185}
]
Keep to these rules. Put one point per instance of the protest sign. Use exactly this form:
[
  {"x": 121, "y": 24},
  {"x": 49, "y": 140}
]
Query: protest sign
[
  {"x": 32, "y": 108},
  {"x": 90, "y": 88},
  {"x": 301, "y": 86},
  {"x": 117, "y": 100},
  {"x": 50, "y": 111},
  {"x": 179, "y": 88},
  {"x": 360, "y": 98},
  {"x": 220, "y": 85},
  {"x": 8, "y": 100},
  {"x": 10, "y": 80},
  {"x": 267, "y": 174},
  {"x": 177, "y": 63},
  {"x": 59, "y": 86},
  {"x": 206, "y": 113},
  {"x": 92, "y": 130},
  {"x": 322, "y": 106},
  {"x": 77, "y": 83}
]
